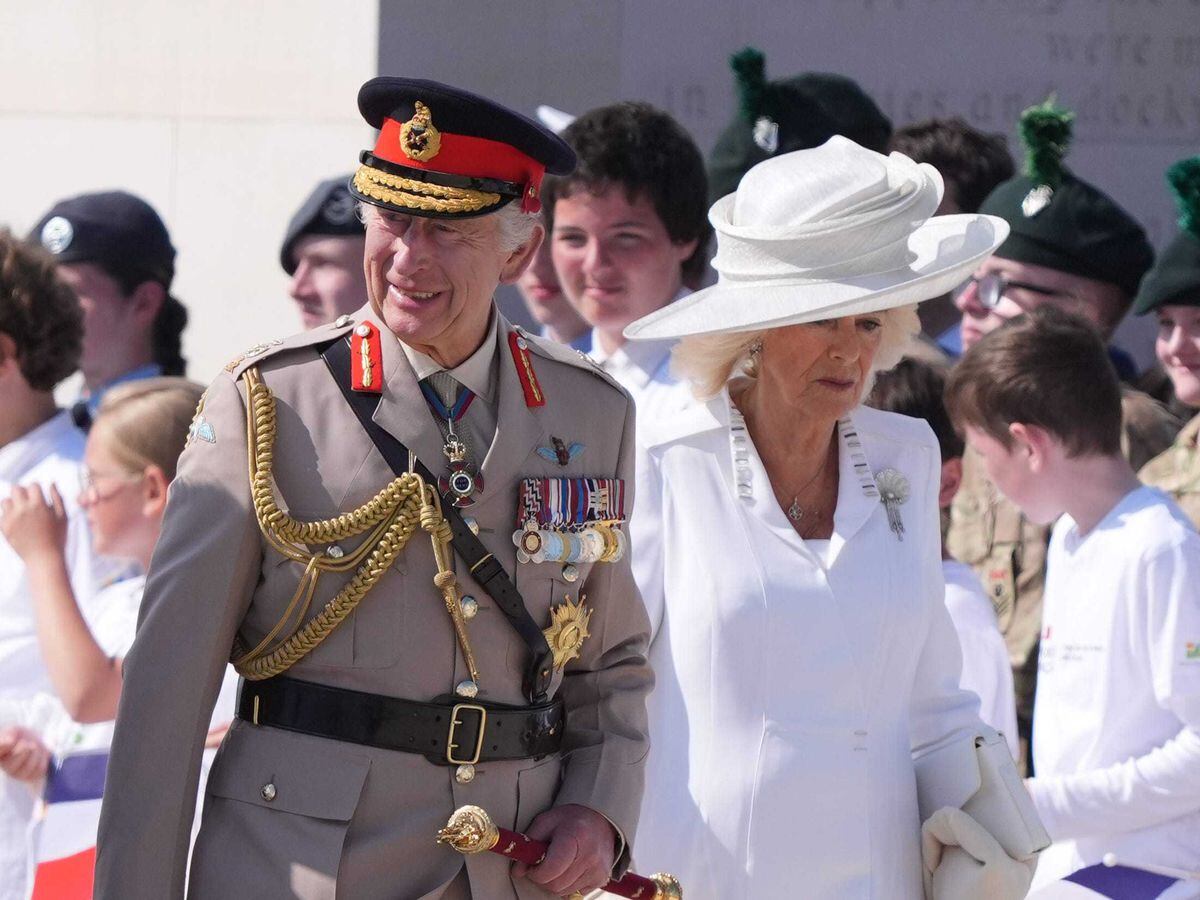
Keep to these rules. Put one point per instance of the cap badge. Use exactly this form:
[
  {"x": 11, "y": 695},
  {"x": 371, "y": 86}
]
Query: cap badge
[
  {"x": 338, "y": 209},
  {"x": 766, "y": 134},
  {"x": 57, "y": 235},
  {"x": 1037, "y": 200},
  {"x": 418, "y": 138},
  {"x": 568, "y": 629}
]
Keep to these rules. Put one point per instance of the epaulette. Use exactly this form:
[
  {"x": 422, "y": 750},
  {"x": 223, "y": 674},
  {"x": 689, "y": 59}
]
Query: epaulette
[
  {"x": 564, "y": 354},
  {"x": 267, "y": 349}
]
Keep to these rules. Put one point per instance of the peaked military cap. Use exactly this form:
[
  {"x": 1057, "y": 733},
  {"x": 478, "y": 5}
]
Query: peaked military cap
[
  {"x": 329, "y": 210},
  {"x": 114, "y": 229},
  {"x": 1060, "y": 221},
  {"x": 445, "y": 152},
  {"x": 796, "y": 113},
  {"x": 1175, "y": 278}
]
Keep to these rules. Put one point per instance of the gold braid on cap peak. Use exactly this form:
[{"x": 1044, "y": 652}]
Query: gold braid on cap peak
[
  {"x": 389, "y": 519},
  {"x": 409, "y": 192}
]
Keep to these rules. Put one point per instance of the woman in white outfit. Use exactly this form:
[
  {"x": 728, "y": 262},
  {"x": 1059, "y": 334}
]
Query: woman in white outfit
[{"x": 787, "y": 545}]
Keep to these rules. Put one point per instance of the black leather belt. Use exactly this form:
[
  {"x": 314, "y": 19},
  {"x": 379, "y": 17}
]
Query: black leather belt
[{"x": 450, "y": 732}]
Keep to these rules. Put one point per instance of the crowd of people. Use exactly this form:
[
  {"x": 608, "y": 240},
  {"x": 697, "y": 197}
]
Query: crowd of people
[{"x": 823, "y": 554}]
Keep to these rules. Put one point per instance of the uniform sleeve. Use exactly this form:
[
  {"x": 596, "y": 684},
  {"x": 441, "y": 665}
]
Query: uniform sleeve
[
  {"x": 201, "y": 579},
  {"x": 605, "y": 690},
  {"x": 1164, "y": 783},
  {"x": 939, "y": 707}
]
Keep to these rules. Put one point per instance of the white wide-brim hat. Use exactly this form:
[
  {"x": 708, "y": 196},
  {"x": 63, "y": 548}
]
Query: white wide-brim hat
[{"x": 838, "y": 230}]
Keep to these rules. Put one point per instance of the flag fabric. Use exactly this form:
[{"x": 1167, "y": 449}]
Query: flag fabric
[
  {"x": 1112, "y": 882},
  {"x": 63, "y": 836}
]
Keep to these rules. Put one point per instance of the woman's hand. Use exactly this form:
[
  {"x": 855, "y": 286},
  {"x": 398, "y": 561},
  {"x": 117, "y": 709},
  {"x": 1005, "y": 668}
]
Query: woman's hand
[
  {"x": 961, "y": 859},
  {"x": 34, "y": 526},
  {"x": 23, "y": 756}
]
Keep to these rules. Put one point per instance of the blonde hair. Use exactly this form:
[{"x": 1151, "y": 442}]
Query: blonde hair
[
  {"x": 145, "y": 423},
  {"x": 708, "y": 361}
]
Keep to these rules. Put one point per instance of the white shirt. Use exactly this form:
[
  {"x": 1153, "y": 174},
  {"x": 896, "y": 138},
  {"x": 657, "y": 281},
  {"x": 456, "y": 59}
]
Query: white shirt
[
  {"x": 795, "y": 681},
  {"x": 50, "y": 454},
  {"x": 986, "y": 669},
  {"x": 1116, "y": 721}
]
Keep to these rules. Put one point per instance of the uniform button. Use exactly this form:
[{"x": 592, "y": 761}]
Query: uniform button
[
  {"x": 362, "y": 330},
  {"x": 343, "y": 321},
  {"x": 467, "y": 689},
  {"x": 522, "y": 343},
  {"x": 464, "y": 774},
  {"x": 335, "y": 551},
  {"x": 860, "y": 739},
  {"x": 570, "y": 573},
  {"x": 470, "y": 606},
  {"x": 268, "y": 792}
]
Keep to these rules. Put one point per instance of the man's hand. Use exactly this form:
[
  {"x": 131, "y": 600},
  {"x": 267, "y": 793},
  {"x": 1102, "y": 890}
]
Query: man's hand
[
  {"x": 583, "y": 846},
  {"x": 23, "y": 756},
  {"x": 34, "y": 526}
]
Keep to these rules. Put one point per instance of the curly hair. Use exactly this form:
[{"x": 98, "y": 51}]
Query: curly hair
[
  {"x": 649, "y": 154},
  {"x": 39, "y": 312},
  {"x": 973, "y": 161}
]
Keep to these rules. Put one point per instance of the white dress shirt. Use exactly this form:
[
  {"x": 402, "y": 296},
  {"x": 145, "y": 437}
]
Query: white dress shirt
[
  {"x": 52, "y": 453},
  {"x": 795, "y": 679}
]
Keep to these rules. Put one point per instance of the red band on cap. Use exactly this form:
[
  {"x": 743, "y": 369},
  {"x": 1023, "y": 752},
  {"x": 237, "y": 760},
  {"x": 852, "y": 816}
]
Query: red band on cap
[
  {"x": 471, "y": 157},
  {"x": 526, "y": 375},
  {"x": 366, "y": 360}
]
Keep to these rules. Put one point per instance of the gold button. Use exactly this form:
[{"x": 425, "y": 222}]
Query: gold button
[
  {"x": 464, "y": 774},
  {"x": 570, "y": 573},
  {"x": 467, "y": 689},
  {"x": 470, "y": 606},
  {"x": 363, "y": 330},
  {"x": 268, "y": 792}
]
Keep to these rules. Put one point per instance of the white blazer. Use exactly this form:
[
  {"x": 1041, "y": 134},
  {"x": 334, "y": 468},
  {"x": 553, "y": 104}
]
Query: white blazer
[{"x": 792, "y": 692}]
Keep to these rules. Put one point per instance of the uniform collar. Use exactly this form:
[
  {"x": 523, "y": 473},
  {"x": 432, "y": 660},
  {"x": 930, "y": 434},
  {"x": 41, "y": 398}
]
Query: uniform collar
[
  {"x": 49, "y": 438},
  {"x": 477, "y": 372}
]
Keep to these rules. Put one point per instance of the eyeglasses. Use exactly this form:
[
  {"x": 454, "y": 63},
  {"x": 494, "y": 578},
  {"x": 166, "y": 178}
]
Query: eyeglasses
[
  {"x": 89, "y": 484},
  {"x": 990, "y": 288}
]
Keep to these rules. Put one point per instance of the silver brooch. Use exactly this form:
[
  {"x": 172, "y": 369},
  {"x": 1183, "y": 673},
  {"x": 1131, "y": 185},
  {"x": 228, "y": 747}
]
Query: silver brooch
[{"x": 893, "y": 493}]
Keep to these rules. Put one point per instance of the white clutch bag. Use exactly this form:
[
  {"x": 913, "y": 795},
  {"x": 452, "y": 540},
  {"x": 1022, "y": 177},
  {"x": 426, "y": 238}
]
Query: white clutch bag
[{"x": 977, "y": 775}]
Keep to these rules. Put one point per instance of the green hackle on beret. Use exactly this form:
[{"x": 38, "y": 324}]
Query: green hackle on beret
[
  {"x": 750, "y": 70},
  {"x": 1184, "y": 178},
  {"x": 1046, "y": 131},
  {"x": 1175, "y": 278}
]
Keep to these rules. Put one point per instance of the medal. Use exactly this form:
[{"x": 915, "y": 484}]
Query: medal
[
  {"x": 568, "y": 630},
  {"x": 460, "y": 482}
]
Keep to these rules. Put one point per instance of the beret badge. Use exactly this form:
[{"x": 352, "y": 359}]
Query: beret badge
[
  {"x": 418, "y": 138},
  {"x": 57, "y": 235}
]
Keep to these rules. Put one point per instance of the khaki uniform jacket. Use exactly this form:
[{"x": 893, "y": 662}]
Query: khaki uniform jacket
[
  {"x": 343, "y": 819},
  {"x": 1177, "y": 471},
  {"x": 1008, "y": 552}
]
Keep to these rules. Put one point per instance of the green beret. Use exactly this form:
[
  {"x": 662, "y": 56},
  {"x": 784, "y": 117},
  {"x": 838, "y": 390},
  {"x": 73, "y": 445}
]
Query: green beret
[
  {"x": 1060, "y": 221},
  {"x": 792, "y": 114},
  {"x": 1175, "y": 278}
]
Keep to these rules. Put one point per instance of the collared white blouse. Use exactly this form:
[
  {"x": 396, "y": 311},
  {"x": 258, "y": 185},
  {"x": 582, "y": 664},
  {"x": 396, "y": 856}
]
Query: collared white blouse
[{"x": 795, "y": 680}]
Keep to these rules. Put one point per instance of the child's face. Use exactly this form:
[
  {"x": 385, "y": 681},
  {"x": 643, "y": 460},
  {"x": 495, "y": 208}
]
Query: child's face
[
  {"x": 113, "y": 499},
  {"x": 1015, "y": 473}
]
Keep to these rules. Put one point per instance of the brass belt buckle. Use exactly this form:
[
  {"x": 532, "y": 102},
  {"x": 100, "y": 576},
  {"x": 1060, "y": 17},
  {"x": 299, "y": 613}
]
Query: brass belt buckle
[{"x": 454, "y": 723}]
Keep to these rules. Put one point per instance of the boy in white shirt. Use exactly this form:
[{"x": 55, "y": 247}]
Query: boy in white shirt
[
  {"x": 915, "y": 388},
  {"x": 1116, "y": 728}
]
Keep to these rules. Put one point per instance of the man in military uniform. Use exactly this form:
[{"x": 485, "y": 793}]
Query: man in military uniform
[
  {"x": 387, "y": 684},
  {"x": 1171, "y": 291},
  {"x": 1070, "y": 246},
  {"x": 322, "y": 254}
]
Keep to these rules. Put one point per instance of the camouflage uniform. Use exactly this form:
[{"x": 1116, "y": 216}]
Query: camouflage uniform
[{"x": 1177, "y": 471}]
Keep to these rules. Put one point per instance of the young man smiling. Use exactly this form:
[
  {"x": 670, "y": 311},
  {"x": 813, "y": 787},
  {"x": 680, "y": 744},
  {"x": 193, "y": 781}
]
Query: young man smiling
[{"x": 629, "y": 231}]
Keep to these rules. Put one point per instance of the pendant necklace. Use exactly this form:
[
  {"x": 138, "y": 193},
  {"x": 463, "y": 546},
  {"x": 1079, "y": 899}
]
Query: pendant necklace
[{"x": 795, "y": 511}]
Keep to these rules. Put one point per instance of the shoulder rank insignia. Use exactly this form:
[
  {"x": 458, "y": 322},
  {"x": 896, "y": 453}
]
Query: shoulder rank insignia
[
  {"x": 366, "y": 359},
  {"x": 560, "y": 452},
  {"x": 529, "y": 382},
  {"x": 568, "y": 630},
  {"x": 256, "y": 350}
]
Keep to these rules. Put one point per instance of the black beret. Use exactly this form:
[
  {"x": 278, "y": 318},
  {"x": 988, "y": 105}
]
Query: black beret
[
  {"x": 115, "y": 230},
  {"x": 1060, "y": 221},
  {"x": 446, "y": 152},
  {"x": 329, "y": 210},
  {"x": 1175, "y": 278},
  {"x": 794, "y": 113}
]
